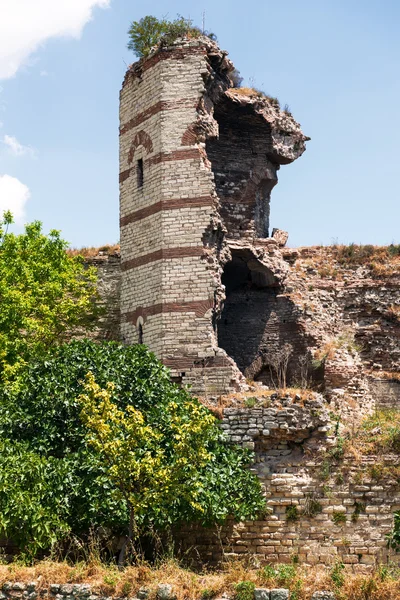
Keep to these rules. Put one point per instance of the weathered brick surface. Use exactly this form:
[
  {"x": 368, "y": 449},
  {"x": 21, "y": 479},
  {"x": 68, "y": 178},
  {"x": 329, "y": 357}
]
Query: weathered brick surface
[
  {"x": 175, "y": 229},
  {"x": 288, "y": 441}
]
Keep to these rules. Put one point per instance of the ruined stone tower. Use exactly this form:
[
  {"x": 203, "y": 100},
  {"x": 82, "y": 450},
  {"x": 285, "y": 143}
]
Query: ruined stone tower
[{"x": 198, "y": 161}]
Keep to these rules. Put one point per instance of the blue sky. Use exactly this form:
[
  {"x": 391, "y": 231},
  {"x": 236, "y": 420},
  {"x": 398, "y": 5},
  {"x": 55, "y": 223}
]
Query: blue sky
[{"x": 335, "y": 63}]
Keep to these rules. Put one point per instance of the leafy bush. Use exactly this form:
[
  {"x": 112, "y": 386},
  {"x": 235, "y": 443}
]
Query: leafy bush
[
  {"x": 150, "y": 31},
  {"x": 45, "y": 293},
  {"x": 41, "y": 413}
]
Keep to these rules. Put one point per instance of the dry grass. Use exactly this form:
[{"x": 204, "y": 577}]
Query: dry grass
[
  {"x": 258, "y": 397},
  {"x": 345, "y": 340},
  {"x": 393, "y": 313},
  {"x": 380, "y": 433},
  {"x": 91, "y": 252},
  {"x": 255, "y": 93},
  {"x": 381, "y": 584},
  {"x": 386, "y": 375},
  {"x": 331, "y": 262}
]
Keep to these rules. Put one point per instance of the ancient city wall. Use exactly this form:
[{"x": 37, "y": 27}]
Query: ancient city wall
[{"x": 322, "y": 510}]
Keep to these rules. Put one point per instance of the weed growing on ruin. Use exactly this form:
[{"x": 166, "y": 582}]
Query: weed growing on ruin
[
  {"x": 284, "y": 575},
  {"x": 292, "y": 513},
  {"x": 207, "y": 594},
  {"x": 250, "y": 402},
  {"x": 393, "y": 313},
  {"x": 338, "y": 517},
  {"x": 244, "y": 590},
  {"x": 393, "y": 538},
  {"x": 311, "y": 507},
  {"x": 359, "y": 507},
  {"x": 337, "y": 574},
  {"x": 149, "y": 32},
  {"x": 380, "y": 432}
]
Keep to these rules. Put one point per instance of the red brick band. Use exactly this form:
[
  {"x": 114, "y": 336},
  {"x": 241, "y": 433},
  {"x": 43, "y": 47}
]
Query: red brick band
[
  {"x": 167, "y": 204},
  {"x": 139, "y": 68},
  {"x": 182, "y": 363},
  {"x": 180, "y": 154},
  {"x": 161, "y": 157},
  {"x": 163, "y": 253},
  {"x": 156, "y": 108},
  {"x": 198, "y": 307}
]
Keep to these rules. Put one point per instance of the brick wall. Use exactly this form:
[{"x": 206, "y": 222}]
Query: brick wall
[{"x": 343, "y": 514}]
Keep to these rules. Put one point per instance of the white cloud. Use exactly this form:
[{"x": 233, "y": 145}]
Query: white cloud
[
  {"x": 43, "y": 73},
  {"x": 16, "y": 148},
  {"x": 26, "y": 24},
  {"x": 13, "y": 196}
]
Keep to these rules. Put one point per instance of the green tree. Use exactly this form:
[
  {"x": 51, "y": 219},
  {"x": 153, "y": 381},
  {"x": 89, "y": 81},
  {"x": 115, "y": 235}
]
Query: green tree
[
  {"x": 145, "y": 469},
  {"x": 139, "y": 427},
  {"x": 146, "y": 33},
  {"x": 45, "y": 294},
  {"x": 150, "y": 31}
]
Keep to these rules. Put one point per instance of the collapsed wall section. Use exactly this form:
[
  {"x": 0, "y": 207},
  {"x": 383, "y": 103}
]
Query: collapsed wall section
[{"x": 197, "y": 164}]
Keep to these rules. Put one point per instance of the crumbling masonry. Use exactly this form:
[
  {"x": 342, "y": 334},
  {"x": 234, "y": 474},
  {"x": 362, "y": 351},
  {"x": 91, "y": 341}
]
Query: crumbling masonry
[
  {"x": 198, "y": 161},
  {"x": 217, "y": 296}
]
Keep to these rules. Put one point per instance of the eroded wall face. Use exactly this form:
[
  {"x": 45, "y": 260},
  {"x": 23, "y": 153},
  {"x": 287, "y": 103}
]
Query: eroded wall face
[
  {"x": 341, "y": 513},
  {"x": 244, "y": 176},
  {"x": 255, "y": 324}
]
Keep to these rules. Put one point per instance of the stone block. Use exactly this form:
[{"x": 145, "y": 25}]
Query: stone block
[
  {"x": 164, "y": 591},
  {"x": 279, "y": 594},
  {"x": 261, "y": 594},
  {"x": 324, "y": 595}
]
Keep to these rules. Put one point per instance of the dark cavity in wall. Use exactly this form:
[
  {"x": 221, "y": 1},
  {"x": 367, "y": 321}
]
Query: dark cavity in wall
[
  {"x": 257, "y": 321},
  {"x": 243, "y": 170}
]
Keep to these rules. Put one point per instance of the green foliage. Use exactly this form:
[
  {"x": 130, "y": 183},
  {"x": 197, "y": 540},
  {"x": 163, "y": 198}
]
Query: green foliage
[
  {"x": 250, "y": 402},
  {"x": 338, "y": 517},
  {"x": 42, "y": 413},
  {"x": 359, "y": 507},
  {"x": 150, "y": 31},
  {"x": 393, "y": 538},
  {"x": 283, "y": 575},
  {"x": 292, "y": 513},
  {"x": 45, "y": 294},
  {"x": 244, "y": 590},
  {"x": 337, "y": 574},
  {"x": 145, "y": 34},
  {"x": 33, "y": 507}
]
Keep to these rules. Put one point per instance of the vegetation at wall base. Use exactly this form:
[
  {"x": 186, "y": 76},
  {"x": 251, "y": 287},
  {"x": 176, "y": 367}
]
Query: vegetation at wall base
[
  {"x": 381, "y": 582},
  {"x": 63, "y": 476}
]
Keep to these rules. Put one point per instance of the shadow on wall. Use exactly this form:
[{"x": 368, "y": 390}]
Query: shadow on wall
[
  {"x": 257, "y": 321},
  {"x": 243, "y": 169}
]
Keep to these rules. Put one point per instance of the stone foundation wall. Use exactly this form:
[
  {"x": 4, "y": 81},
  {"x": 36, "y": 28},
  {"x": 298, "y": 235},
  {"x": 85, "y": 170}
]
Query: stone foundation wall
[
  {"x": 322, "y": 510},
  {"x": 108, "y": 268},
  {"x": 84, "y": 591}
]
